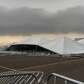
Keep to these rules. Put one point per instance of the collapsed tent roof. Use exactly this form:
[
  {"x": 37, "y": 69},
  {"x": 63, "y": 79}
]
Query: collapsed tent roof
[{"x": 61, "y": 45}]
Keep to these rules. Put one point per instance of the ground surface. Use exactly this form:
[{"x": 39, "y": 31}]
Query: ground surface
[{"x": 71, "y": 67}]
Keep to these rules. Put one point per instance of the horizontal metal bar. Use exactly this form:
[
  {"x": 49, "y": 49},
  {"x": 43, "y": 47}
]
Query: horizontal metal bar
[{"x": 66, "y": 78}]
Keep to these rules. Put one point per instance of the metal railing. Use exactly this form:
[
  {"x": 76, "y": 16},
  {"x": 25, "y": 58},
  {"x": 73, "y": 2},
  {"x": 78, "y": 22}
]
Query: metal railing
[
  {"x": 65, "y": 79},
  {"x": 16, "y": 79},
  {"x": 35, "y": 78}
]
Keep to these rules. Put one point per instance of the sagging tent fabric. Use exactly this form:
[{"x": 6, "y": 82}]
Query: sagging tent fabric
[
  {"x": 81, "y": 41},
  {"x": 64, "y": 46},
  {"x": 36, "y": 39},
  {"x": 61, "y": 45}
]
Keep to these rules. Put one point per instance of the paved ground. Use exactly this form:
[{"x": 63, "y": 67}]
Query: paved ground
[{"x": 73, "y": 68}]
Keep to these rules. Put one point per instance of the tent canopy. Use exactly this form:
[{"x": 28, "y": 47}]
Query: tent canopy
[{"x": 61, "y": 45}]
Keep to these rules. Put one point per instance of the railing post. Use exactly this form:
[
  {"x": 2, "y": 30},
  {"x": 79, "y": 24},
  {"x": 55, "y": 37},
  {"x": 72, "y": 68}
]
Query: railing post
[
  {"x": 55, "y": 80},
  {"x": 65, "y": 82}
]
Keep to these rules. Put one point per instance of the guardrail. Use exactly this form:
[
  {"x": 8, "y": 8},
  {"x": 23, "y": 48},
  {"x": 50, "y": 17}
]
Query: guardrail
[
  {"x": 10, "y": 79},
  {"x": 65, "y": 79},
  {"x": 35, "y": 78}
]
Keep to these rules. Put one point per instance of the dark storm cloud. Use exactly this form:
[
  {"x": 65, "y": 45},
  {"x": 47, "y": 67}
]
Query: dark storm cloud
[
  {"x": 28, "y": 20},
  {"x": 24, "y": 20}
]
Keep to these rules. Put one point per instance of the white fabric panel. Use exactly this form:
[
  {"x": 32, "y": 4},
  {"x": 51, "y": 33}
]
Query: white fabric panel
[{"x": 61, "y": 45}]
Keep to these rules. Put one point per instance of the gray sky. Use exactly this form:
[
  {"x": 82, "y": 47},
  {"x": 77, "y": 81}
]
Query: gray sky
[
  {"x": 49, "y": 5},
  {"x": 24, "y": 18}
]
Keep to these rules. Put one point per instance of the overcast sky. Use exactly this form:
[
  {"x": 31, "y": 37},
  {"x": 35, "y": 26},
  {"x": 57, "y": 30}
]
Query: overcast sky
[
  {"x": 24, "y": 18},
  {"x": 49, "y": 5}
]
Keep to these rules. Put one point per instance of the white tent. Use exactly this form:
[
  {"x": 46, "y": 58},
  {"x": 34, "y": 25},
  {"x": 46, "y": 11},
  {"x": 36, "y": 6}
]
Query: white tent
[
  {"x": 37, "y": 40},
  {"x": 81, "y": 41},
  {"x": 64, "y": 46},
  {"x": 72, "y": 47},
  {"x": 31, "y": 40},
  {"x": 61, "y": 45}
]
